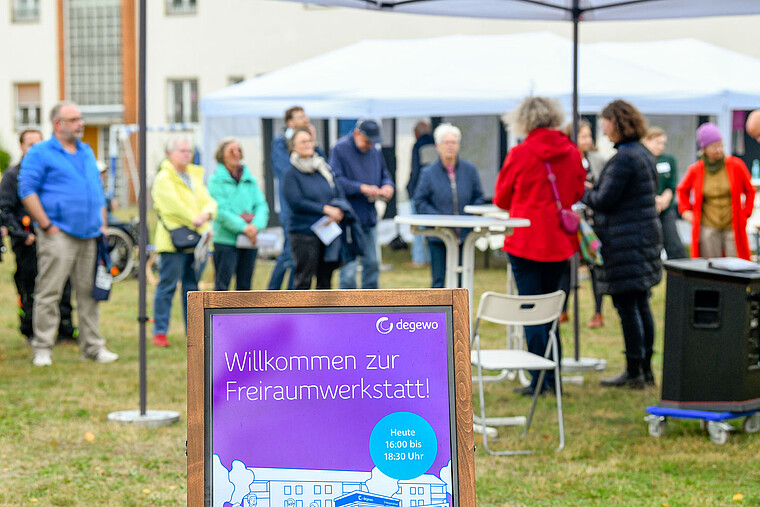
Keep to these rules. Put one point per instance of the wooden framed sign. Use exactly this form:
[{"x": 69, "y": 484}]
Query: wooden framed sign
[{"x": 330, "y": 399}]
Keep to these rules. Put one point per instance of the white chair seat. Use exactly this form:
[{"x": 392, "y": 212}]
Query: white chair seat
[{"x": 503, "y": 359}]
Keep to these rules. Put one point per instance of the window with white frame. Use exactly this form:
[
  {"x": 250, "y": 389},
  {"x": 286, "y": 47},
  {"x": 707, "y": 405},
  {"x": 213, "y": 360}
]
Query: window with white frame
[
  {"x": 26, "y": 10},
  {"x": 180, "y": 6},
  {"x": 183, "y": 101},
  {"x": 28, "y": 106}
]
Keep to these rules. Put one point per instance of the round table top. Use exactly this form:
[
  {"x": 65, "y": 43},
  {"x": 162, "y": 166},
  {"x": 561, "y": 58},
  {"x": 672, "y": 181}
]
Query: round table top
[
  {"x": 466, "y": 221},
  {"x": 486, "y": 210}
]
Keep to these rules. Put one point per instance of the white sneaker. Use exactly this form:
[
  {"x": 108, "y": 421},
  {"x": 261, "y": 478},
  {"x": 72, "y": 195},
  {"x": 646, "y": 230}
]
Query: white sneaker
[
  {"x": 42, "y": 357},
  {"x": 105, "y": 356}
]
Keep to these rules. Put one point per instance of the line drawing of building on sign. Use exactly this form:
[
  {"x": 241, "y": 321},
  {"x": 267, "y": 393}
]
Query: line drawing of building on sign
[{"x": 243, "y": 486}]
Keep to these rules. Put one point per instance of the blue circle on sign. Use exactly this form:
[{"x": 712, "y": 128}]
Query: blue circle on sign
[{"x": 403, "y": 445}]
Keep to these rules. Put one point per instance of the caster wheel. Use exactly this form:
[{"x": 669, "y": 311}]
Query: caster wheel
[
  {"x": 718, "y": 432},
  {"x": 752, "y": 423},
  {"x": 657, "y": 425}
]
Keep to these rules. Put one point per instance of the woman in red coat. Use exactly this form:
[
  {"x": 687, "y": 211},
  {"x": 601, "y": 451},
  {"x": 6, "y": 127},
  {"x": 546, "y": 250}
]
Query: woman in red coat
[
  {"x": 539, "y": 253},
  {"x": 716, "y": 197}
]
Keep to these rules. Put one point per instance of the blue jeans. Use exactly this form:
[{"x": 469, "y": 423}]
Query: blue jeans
[
  {"x": 419, "y": 252},
  {"x": 283, "y": 264},
  {"x": 370, "y": 265},
  {"x": 228, "y": 261},
  {"x": 533, "y": 278},
  {"x": 172, "y": 268},
  {"x": 637, "y": 323}
]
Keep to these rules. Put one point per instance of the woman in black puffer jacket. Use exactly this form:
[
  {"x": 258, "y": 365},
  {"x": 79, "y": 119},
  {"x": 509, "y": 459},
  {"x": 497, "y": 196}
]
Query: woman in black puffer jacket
[{"x": 627, "y": 223}]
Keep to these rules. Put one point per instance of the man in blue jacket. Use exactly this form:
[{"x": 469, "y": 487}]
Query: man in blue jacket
[
  {"x": 361, "y": 173},
  {"x": 23, "y": 241},
  {"x": 59, "y": 184}
]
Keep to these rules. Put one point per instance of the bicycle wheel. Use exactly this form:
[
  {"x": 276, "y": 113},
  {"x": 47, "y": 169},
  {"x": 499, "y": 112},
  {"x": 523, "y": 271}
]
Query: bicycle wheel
[{"x": 121, "y": 249}]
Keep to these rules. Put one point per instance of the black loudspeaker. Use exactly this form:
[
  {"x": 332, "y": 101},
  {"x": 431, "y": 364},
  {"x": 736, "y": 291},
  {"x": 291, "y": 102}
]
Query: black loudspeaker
[{"x": 711, "y": 359}]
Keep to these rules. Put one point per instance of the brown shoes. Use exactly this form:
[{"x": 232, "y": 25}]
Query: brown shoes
[{"x": 596, "y": 321}]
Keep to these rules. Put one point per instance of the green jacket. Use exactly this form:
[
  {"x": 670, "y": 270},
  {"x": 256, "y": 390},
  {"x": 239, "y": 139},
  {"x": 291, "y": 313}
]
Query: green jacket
[
  {"x": 667, "y": 177},
  {"x": 234, "y": 199},
  {"x": 177, "y": 205}
]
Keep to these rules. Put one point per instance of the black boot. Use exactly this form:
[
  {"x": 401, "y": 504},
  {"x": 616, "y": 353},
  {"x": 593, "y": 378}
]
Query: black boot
[
  {"x": 631, "y": 376},
  {"x": 646, "y": 369}
]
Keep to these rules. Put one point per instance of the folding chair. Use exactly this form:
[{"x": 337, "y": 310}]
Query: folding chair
[{"x": 523, "y": 311}]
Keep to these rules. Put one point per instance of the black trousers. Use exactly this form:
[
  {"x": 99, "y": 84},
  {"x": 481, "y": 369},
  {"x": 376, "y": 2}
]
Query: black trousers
[
  {"x": 309, "y": 258},
  {"x": 26, "y": 272},
  {"x": 672, "y": 242},
  {"x": 637, "y": 323}
]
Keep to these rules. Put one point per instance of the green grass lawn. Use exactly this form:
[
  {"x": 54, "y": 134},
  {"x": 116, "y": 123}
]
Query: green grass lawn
[{"x": 58, "y": 448}]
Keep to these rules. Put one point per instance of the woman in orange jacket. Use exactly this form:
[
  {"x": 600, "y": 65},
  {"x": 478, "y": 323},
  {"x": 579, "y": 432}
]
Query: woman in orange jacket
[{"x": 716, "y": 196}]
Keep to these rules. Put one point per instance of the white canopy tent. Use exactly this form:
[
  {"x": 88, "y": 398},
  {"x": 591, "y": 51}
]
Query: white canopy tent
[
  {"x": 559, "y": 10},
  {"x": 471, "y": 75}
]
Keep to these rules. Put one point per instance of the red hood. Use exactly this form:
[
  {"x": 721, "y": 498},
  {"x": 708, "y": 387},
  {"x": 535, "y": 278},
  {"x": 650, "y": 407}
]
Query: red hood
[{"x": 548, "y": 144}]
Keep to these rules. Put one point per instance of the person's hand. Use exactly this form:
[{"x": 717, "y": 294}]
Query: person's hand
[
  {"x": 104, "y": 230},
  {"x": 53, "y": 230},
  {"x": 251, "y": 231},
  {"x": 687, "y": 215},
  {"x": 371, "y": 191},
  {"x": 660, "y": 203},
  {"x": 3, "y": 231},
  {"x": 588, "y": 185},
  {"x": 386, "y": 192},
  {"x": 30, "y": 239},
  {"x": 333, "y": 213},
  {"x": 201, "y": 219}
]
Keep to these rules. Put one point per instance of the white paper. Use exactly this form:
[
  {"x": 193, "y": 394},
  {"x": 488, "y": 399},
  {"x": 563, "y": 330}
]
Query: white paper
[
  {"x": 263, "y": 239},
  {"x": 201, "y": 250},
  {"x": 326, "y": 230},
  {"x": 732, "y": 264}
]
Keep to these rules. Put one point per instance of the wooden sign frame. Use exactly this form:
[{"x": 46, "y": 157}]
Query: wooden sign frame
[{"x": 202, "y": 304}]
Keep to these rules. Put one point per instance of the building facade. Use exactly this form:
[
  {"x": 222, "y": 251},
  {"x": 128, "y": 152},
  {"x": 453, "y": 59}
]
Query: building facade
[{"x": 86, "y": 51}]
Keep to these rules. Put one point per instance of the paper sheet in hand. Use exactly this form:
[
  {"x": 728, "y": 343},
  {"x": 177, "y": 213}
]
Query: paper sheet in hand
[
  {"x": 201, "y": 250},
  {"x": 326, "y": 230},
  {"x": 263, "y": 239},
  {"x": 732, "y": 264}
]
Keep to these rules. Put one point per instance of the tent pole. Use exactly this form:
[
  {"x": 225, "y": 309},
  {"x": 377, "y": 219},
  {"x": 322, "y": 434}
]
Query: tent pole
[
  {"x": 576, "y": 258},
  {"x": 143, "y": 205},
  {"x": 143, "y": 417}
]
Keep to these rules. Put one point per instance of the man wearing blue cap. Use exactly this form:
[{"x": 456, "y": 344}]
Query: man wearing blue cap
[{"x": 361, "y": 173}]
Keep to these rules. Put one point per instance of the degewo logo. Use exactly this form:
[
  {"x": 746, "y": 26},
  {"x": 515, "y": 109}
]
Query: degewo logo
[
  {"x": 380, "y": 325},
  {"x": 384, "y": 326}
]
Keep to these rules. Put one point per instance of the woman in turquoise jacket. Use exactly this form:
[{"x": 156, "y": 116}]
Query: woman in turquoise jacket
[{"x": 242, "y": 212}]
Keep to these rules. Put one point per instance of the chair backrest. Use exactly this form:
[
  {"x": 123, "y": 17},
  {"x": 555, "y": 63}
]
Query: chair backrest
[{"x": 520, "y": 310}]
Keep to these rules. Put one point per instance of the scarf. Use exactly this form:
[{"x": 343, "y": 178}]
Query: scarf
[
  {"x": 312, "y": 165},
  {"x": 714, "y": 167}
]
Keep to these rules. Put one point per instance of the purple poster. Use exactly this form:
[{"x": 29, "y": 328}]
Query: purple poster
[{"x": 315, "y": 409}]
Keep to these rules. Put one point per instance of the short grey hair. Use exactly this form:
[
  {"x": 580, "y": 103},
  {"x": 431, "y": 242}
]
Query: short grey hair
[
  {"x": 171, "y": 144},
  {"x": 55, "y": 113},
  {"x": 445, "y": 129},
  {"x": 535, "y": 113}
]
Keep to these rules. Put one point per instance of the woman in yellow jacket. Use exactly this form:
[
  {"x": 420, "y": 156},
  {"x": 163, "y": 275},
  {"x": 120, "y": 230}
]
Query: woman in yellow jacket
[{"x": 180, "y": 198}]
